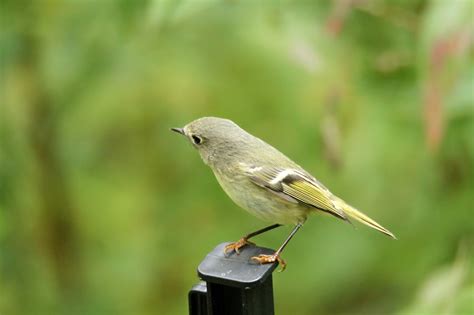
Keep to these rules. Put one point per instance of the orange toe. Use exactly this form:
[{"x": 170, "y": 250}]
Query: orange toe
[
  {"x": 236, "y": 246},
  {"x": 268, "y": 259}
]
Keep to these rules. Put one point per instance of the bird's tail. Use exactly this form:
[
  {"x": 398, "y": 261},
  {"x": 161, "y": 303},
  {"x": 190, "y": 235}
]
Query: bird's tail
[{"x": 359, "y": 216}]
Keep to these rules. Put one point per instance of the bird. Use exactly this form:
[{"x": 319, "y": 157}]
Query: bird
[{"x": 265, "y": 182}]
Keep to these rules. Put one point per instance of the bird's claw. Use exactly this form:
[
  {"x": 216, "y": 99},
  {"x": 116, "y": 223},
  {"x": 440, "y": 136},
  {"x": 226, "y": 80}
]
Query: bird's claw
[
  {"x": 268, "y": 259},
  {"x": 235, "y": 246}
]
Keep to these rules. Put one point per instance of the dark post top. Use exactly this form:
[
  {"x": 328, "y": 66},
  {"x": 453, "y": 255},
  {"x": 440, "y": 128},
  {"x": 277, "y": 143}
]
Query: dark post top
[{"x": 236, "y": 270}]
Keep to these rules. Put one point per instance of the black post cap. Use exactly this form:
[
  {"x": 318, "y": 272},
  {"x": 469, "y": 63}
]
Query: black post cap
[{"x": 236, "y": 270}]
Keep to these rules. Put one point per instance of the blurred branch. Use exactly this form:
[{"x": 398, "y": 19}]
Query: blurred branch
[
  {"x": 331, "y": 131},
  {"x": 337, "y": 18},
  {"x": 442, "y": 50},
  {"x": 57, "y": 236}
]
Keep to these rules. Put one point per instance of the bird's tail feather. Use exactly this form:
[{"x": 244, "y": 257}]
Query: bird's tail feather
[{"x": 359, "y": 216}]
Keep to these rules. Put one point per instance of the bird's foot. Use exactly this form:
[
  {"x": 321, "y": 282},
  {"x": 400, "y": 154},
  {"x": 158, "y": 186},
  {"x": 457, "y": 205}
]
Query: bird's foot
[
  {"x": 237, "y": 245},
  {"x": 268, "y": 259}
]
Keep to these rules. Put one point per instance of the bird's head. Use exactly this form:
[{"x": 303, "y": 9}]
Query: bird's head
[{"x": 213, "y": 136}]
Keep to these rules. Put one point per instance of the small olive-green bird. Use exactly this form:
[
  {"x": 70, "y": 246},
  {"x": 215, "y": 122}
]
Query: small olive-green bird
[{"x": 265, "y": 182}]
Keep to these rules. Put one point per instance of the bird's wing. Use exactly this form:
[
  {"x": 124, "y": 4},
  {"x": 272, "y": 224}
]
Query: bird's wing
[{"x": 297, "y": 186}]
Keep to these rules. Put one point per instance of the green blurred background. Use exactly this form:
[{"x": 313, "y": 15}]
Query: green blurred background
[{"x": 104, "y": 211}]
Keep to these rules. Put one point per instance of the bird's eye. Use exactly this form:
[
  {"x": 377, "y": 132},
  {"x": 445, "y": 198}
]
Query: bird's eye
[{"x": 196, "y": 139}]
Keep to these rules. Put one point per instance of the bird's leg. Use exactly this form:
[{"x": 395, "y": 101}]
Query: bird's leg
[
  {"x": 245, "y": 240},
  {"x": 266, "y": 259}
]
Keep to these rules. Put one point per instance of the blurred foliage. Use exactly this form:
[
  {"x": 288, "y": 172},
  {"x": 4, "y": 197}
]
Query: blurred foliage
[{"x": 104, "y": 211}]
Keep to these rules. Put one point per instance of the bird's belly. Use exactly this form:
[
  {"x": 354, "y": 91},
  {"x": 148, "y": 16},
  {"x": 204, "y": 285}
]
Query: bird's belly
[{"x": 262, "y": 203}]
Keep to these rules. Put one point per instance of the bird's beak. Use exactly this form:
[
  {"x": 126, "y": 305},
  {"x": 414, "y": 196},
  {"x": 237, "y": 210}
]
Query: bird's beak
[{"x": 178, "y": 130}]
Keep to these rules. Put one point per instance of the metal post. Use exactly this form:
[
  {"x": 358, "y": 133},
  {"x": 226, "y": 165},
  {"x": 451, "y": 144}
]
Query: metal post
[{"x": 233, "y": 284}]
